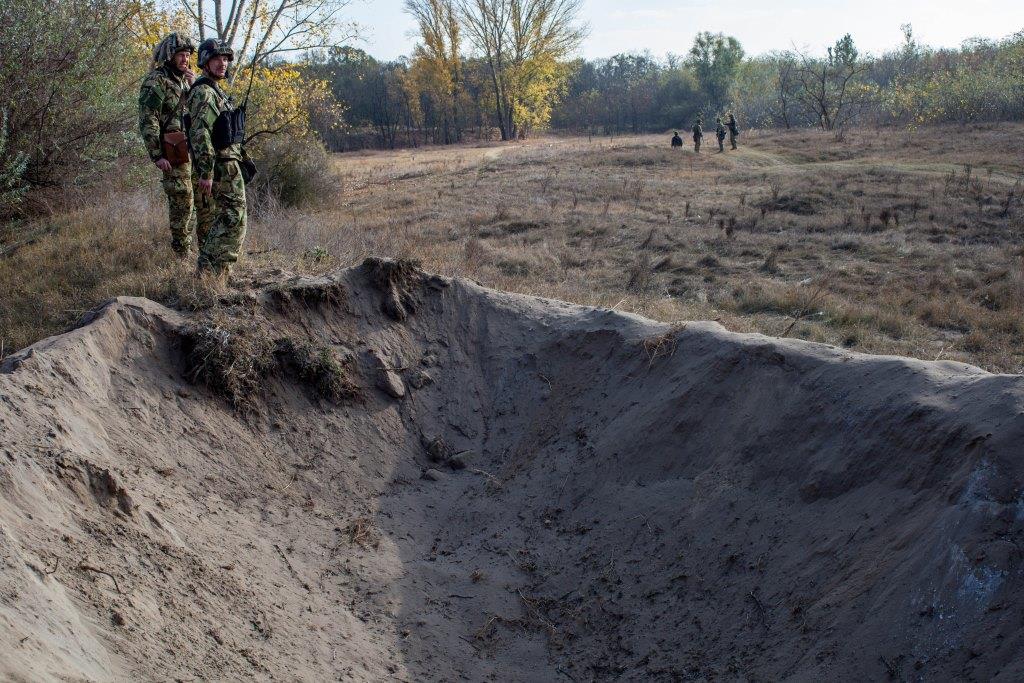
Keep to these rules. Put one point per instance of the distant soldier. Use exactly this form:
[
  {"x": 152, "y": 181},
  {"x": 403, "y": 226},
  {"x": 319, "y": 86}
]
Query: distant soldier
[
  {"x": 676, "y": 140},
  {"x": 734, "y": 130},
  {"x": 698, "y": 135},
  {"x": 218, "y": 151},
  {"x": 161, "y": 104},
  {"x": 720, "y": 133}
]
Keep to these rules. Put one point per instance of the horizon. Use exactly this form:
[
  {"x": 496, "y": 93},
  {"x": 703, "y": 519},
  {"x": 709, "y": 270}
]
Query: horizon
[{"x": 647, "y": 25}]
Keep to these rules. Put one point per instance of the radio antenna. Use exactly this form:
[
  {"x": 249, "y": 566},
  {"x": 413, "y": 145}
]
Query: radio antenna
[{"x": 252, "y": 76}]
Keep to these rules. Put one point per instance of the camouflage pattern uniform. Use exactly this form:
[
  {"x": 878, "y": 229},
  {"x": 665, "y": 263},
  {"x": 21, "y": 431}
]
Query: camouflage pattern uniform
[
  {"x": 161, "y": 103},
  {"x": 225, "y": 211},
  {"x": 720, "y": 134},
  {"x": 698, "y": 135},
  {"x": 734, "y": 130}
]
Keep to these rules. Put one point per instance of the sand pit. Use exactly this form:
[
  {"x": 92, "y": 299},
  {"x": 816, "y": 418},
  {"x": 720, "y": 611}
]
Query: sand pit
[{"x": 385, "y": 475}]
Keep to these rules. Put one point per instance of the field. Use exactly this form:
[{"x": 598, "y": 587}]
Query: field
[{"x": 882, "y": 241}]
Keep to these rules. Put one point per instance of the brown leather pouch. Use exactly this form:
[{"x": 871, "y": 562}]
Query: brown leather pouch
[{"x": 175, "y": 147}]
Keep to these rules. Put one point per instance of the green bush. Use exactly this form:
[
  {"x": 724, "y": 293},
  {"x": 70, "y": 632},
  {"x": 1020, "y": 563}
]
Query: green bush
[
  {"x": 292, "y": 172},
  {"x": 12, "y": 185},
  {"x": 68, "y": 83}
]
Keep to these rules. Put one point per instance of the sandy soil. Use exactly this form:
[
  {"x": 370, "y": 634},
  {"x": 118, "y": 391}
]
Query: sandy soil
[{"x": 524, "y": 490}]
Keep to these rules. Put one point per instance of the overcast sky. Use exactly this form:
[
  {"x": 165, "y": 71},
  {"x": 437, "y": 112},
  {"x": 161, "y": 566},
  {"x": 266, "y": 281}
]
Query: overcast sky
[{"x": 663, "y": 26}]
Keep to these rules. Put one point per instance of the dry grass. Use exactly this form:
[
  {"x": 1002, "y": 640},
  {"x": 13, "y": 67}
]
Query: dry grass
[{"x": 905, "y": 242}]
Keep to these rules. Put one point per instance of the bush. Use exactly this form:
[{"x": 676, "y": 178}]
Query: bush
[
  {"x": 68, "y": 81},
  {"x": 292, "y": 172},
  {"x": 12, "y": 187}
]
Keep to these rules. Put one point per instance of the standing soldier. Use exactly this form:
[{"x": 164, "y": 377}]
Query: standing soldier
[
  {"x": 161, "y": 105},
  {"x": 720, "y": 133},
  {"x": 734, "y": 131},
  {"x": 217, "y": 150},
  {"x": 698, "y": 135}
]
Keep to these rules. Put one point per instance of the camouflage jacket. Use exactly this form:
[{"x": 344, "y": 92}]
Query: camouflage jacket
[
  {"x": 206, "y": 101},
  {"x": 161, "y": 104},
  {"x": 698, "y": 131}
]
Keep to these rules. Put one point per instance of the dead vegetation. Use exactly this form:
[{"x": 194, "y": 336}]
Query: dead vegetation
[
  {"x": 360, "y": 532},
  {"x": 231, "y": 356},
  {"x": 917, "y": 235},
  {"x": 663, "y": 345},
  {"x": 321, "y": 368},
  {"x": 235, "y": 352}
]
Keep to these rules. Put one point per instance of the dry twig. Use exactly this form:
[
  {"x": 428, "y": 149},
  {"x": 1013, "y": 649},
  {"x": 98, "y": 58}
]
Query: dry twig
[{"x": 89, "y": 568}]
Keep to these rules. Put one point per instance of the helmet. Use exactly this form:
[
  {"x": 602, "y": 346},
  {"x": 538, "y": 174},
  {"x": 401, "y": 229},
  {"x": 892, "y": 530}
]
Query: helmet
[
  {"x": 170, "y": 46},
  {"x": 211, "y": 47}
]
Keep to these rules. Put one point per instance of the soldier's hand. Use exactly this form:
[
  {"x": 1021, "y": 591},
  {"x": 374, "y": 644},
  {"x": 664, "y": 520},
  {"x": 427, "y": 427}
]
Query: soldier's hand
[
  {"x": 163, "y": 165},
  {"x": 189, "y": 75},
  {"x": 206, "y": 187}
]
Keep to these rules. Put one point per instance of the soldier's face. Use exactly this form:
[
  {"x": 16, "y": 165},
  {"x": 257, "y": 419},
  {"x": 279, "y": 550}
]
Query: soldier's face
[
  {"x": 181, "y": 60},
  {"x": 218, "y": 66}
]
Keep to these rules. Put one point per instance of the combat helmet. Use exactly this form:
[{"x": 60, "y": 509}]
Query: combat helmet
[
  {"x": 170, "y": 46},
  {"x": 211, "y": 47}
]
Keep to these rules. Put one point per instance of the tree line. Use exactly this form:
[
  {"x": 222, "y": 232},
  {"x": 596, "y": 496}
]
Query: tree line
[
  {"x": 452, "y": 87},
  {"x": 480, "y": 70}
]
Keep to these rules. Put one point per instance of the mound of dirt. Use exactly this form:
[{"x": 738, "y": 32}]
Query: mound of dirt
[{"x": 384, "y": 475}]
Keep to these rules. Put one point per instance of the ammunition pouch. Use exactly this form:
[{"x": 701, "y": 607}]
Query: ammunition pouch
[{"x": 174, "y": 147}]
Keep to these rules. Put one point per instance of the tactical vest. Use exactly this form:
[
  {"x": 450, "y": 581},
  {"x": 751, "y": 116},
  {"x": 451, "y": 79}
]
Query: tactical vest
[{"x": 229, "y": 126}]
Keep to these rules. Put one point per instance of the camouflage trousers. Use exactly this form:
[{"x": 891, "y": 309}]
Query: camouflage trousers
[
  {"x": 223, "y": 219},
  {"x": 181, "y": 212},
  {"x": 732, "y": 139},
  {"x": 206, "y": 214},
  {"x": 696, "y": 145},
  {"x": 721, "y": 143}
]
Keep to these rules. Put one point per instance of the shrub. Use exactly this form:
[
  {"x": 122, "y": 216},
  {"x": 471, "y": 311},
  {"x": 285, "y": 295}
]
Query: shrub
[
  {"x": 12, "y": 187},
  {"x": 293, "y": 172}
]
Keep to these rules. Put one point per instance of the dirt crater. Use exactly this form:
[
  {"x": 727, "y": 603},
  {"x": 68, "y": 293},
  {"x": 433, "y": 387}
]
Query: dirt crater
[{"x": 420, "y": 479}]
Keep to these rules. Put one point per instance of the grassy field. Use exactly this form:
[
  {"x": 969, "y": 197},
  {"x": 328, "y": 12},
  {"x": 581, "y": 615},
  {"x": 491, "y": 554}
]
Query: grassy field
[{"x": 895, "y": 241}]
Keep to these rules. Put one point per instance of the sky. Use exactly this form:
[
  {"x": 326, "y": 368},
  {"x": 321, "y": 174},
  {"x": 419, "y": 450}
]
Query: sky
[{"x": 664, "y": 26}]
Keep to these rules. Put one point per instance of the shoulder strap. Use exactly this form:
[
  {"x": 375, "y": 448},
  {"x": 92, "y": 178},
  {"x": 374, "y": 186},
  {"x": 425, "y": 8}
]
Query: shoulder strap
[{"x": 209, "y": 82}]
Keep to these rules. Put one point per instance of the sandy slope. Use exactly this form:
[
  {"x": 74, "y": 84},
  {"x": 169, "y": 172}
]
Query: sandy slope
[{"x": 626, "y": 501}]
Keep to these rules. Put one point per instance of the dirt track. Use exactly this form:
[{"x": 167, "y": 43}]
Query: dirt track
[{"x": 569, "y": 494}]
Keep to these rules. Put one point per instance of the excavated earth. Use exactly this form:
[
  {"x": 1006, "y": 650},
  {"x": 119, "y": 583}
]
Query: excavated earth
[{"x": 484, "y": 486}]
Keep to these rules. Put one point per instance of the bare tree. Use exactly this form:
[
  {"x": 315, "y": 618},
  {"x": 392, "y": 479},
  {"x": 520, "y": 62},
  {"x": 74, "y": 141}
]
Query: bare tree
[
  {"x": 785, "y": 65},
  {"x": 260, "y": 29},
  {"x": 826, "y": 85},
  {"x": 520, "y": 41}
]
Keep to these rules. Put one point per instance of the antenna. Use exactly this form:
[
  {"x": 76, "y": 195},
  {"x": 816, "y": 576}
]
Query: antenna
[{"x": 252, "y": 76}]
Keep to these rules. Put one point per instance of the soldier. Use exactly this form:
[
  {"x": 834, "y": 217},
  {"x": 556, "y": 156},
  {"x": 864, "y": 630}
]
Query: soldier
[
  {"x": 698, "y": 135},
  {"x": 720, "y": 133},
  {"x": 734, "y": 131},
  {"x": 676, "y": 140},
  {"x": 161, "y": 104},
  {"x": 217, "y": 152}
]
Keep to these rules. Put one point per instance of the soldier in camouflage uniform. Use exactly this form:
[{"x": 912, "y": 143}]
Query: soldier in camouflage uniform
[
  {"x": 698, "y": 135},
  {"x": 220, "y": 183},
  {"x": 161, "y": 103},
  {"x": 720, "y": 133},
  {"x": 734, "y": 131}
]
